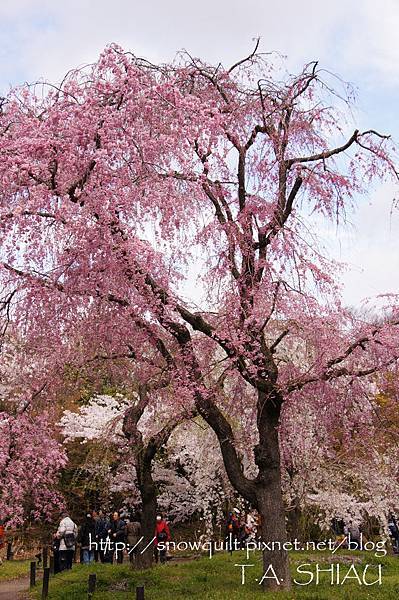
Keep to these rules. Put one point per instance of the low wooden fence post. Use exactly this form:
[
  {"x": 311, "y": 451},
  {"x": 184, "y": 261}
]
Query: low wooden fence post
[
  {"x": 51, "y": 564},
  {"x": 92, "y": 585},
  {"x": 10, "y": 553},
  {"x": 32, "y": 581},
  {"x": 213, "y": 546},
  {"x": 46, "y": 578},
  {"x": 140, "y": 592},
  {"x": 45, "y": 557}
]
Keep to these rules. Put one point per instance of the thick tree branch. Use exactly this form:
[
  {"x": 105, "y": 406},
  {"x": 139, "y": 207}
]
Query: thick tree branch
[
  {"x": 323, "y": 155},
  {"x": 330, "y": 375}
]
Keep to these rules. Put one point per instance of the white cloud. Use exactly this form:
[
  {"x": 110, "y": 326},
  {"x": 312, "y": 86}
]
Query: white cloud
[
  {"x": 372, "y": 45},
  {"x": 369, "y": 245},
  {"x": 46, "y": 38},
  {"x": 51, "y": 37}
]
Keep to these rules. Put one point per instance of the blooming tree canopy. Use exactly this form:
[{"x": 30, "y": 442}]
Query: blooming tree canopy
[
  {"x": 119, "y": 179},
  {"x": 329, "y": 464},
  {"x": 30, "y": 463}
]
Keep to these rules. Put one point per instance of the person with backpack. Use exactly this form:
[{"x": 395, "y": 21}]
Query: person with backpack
[
  {"x": 67, "y": 534},
  {"x": 162, "y": 535},
  {"x": 87, "y": 539}
]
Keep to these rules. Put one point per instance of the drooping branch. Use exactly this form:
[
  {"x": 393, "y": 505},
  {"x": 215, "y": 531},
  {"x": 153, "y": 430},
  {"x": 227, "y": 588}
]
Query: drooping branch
[
  {"x": 34, "y": 395},
  {"x": 359, "y": 343},
  {"x": 5, "y": 308}
]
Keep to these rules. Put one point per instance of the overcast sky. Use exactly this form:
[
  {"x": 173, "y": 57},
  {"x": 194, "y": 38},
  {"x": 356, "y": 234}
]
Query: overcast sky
[{"x": 355, "y": 38}]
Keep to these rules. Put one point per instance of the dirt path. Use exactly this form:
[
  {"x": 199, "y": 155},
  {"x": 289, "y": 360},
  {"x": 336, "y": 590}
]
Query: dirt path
[{"x": 14, "y": 589}]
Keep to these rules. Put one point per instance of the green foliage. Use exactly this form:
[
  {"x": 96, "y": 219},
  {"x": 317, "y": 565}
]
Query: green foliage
[
  {"x": 215, "y": 579},
  {"x": 11, "y": 569}
]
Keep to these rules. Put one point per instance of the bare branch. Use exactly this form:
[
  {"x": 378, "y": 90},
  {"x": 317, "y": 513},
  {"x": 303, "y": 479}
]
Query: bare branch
[{"x": 246, "y": 59}]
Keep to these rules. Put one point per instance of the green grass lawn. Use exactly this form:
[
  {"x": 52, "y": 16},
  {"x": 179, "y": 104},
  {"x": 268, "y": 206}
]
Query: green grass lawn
[
  {"x": 11, "y": 569},
  {"x": 219, "y": 579}
]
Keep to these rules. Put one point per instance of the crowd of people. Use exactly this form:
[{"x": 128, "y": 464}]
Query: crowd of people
[
  {"x": 104, "y": 538},
  {"x": 98, "y": 528},
  {"x": 242, "y": 528},
  {"x": 110, "y": 538}
]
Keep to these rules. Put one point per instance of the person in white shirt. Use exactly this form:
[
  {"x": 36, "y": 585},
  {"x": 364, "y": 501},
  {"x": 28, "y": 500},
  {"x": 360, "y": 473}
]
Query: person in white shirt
[{"x": 67, "y": 533}]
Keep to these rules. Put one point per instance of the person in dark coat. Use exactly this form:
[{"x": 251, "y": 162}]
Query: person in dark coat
[
  {"x": 95, "y": 516},
  {"x": 233, "y": 527},
  {"x": 117, "y": 534},
  {"x": 102, "y": 525},
  {"x": 394, "y": 533},
  {"x": 87, "y": 538}
]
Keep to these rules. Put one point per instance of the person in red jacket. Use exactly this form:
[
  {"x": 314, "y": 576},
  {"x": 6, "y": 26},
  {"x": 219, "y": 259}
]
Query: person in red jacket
[{"x": 162, "y": 536}]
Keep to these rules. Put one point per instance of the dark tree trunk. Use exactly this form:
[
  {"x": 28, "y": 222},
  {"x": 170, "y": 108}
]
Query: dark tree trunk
[
  {"x": 144, "y": 456},
  {"x": 264, "y": 492},
  {"x": 269, "y": 494},
  {"x": 148, "y": 517},
  {"x": 295, "y": 521},
  {"x": 276, "y": 573}
]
